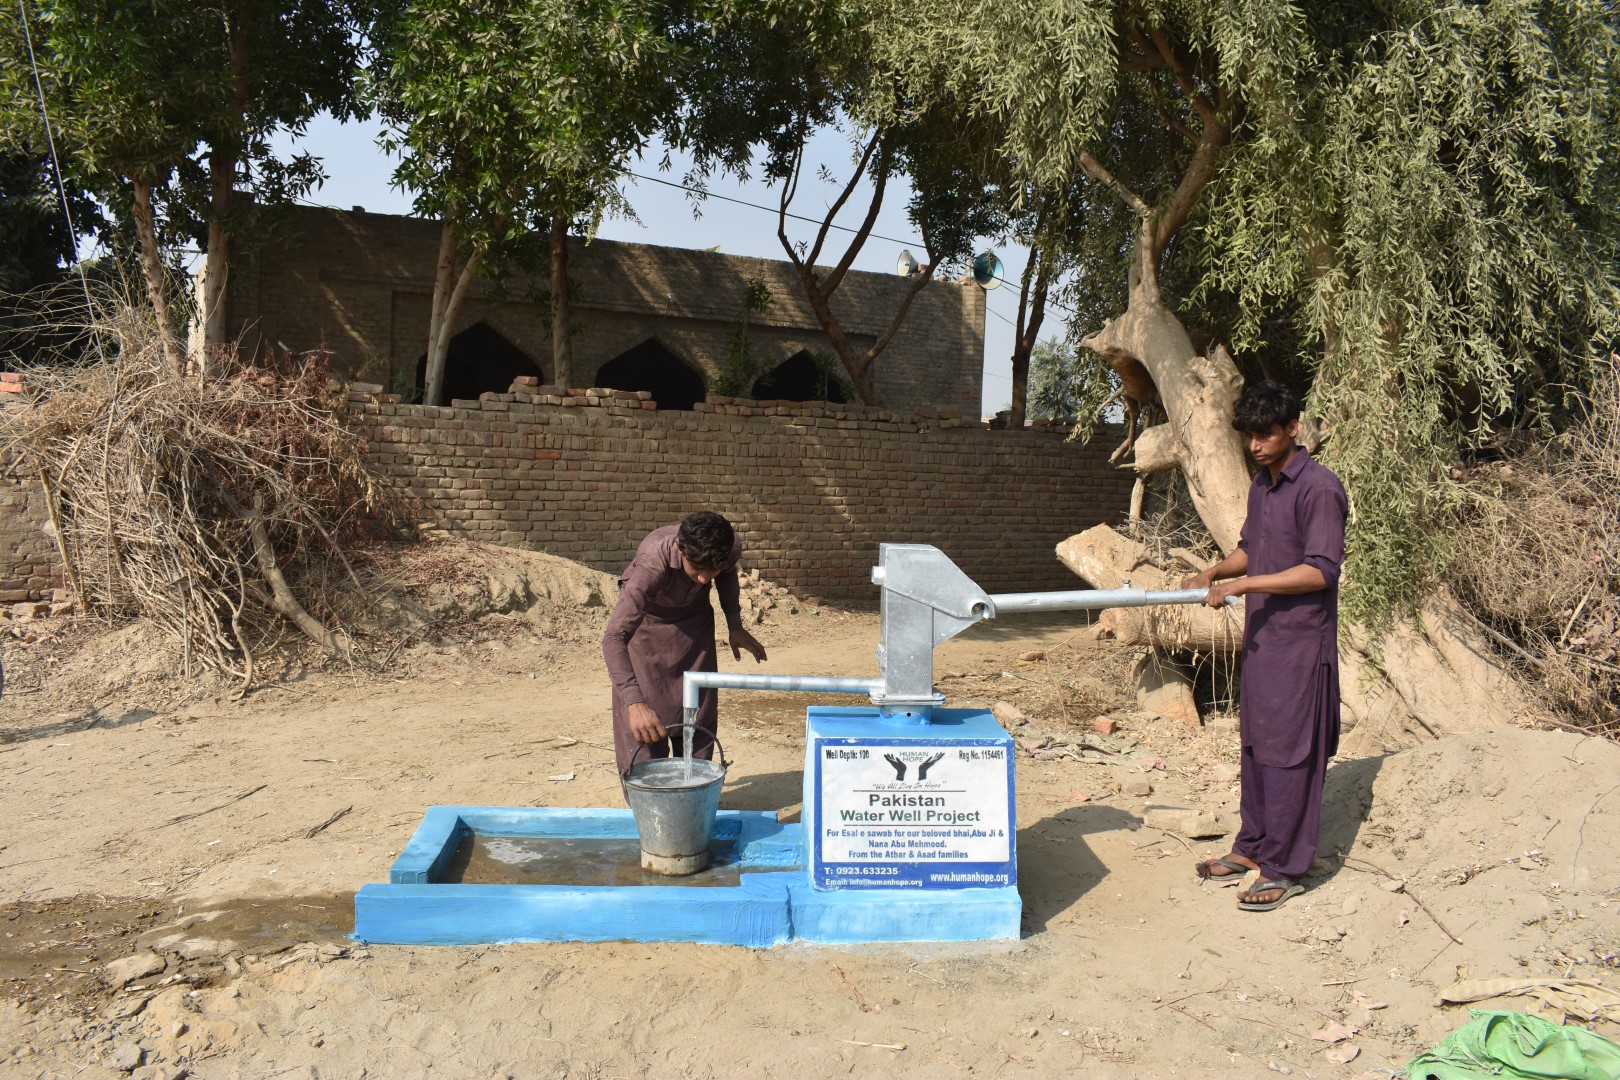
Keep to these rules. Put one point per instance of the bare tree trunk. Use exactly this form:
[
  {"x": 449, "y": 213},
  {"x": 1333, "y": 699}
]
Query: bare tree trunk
[
  {"x": 449, "y": 290},
  {"x": 1030, "y": 316},
  {"x": 1433, "y": 676},
  {"x": 443, "y": 271},
  {"x": 209, "y": 321},
  {"x": 281, "y": 595},
  {"x": 1106, "y": 558},
  {"x": 1198, "y": 393},
  {"x": 152, "y": 271},
  {"x": 562, "y": 349}
]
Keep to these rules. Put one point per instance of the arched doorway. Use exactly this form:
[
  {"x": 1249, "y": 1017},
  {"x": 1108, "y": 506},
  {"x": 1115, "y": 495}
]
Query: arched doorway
[
  {"x": 479, "y": 360},
  {"x": 651, "y": 367},
  {"x": 799, "y": 378}
]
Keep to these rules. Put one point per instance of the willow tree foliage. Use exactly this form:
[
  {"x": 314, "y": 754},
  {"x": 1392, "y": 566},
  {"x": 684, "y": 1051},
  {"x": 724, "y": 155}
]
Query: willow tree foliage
[
  {"x": 166, "y": 110},
  {"x": 514, "y": 118},
  {"x": 1408, "y": 209},
  {"x": 1455, "y": 269}
]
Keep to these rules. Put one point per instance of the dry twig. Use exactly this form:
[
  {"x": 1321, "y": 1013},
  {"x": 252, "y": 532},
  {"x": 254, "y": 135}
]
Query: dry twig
[{"x": 1405, "y": 888}]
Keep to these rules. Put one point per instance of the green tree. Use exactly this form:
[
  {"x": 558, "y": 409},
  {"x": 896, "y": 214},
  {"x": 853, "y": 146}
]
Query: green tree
[
  {"x": 166, "y": 109},
  {"x": 514, "y": 118},
  {"x": 1064, "y": 386},
  {"x": 38, "y": 251},
  {"x": 35, "y": 241}
]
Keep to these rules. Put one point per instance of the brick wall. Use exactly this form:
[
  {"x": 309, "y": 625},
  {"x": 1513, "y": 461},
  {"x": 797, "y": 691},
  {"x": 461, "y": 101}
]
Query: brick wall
[
  {"x": 813, "y": 489},
  {"x": 362, "y": 285}
]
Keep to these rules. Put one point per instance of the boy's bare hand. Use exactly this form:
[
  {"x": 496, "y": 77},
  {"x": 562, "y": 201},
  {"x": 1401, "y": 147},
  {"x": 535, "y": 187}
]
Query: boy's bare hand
[{"x": 645, "y": 725}]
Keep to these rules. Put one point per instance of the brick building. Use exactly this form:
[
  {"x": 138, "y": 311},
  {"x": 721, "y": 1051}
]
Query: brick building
[{"x": 644, "y": 317}]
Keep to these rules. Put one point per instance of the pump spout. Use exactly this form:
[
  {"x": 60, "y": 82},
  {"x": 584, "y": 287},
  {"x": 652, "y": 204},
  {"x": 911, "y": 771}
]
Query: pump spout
[{"x": 694, "y": 681}]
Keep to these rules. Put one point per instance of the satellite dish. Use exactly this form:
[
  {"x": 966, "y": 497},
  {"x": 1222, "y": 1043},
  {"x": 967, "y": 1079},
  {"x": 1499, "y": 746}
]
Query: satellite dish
[
  {"x": 907, "y": 264},
  {"x": 987, "y": 271}
]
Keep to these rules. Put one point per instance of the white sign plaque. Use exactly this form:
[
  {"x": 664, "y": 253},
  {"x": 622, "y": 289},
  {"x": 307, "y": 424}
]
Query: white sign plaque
[{"x": 913, "y": 814}]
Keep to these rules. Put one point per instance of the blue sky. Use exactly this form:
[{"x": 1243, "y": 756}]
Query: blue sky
[{"x": 358, "y": 175}]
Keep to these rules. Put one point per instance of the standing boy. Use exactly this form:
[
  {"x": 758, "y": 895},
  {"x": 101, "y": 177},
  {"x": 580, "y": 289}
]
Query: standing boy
[
  {"x": 663, "y": 626},
  {"x": 1287, "y": 564}
]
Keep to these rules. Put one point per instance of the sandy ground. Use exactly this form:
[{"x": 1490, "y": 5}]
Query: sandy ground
[{"x": 223, "y": 841}]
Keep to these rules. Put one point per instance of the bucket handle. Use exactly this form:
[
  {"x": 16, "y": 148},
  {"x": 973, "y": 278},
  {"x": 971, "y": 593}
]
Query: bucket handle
[{"x": 724, "y": 764}]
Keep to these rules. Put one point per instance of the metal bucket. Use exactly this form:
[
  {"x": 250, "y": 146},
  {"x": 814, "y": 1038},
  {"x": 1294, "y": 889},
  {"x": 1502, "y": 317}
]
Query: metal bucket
[{"x": 675, "y": 810}]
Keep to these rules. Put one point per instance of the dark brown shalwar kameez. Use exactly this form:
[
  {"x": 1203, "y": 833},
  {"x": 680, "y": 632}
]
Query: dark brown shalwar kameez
[
  {"x": 661, "y": 628},
  {"x": 1289, "y": 711}
]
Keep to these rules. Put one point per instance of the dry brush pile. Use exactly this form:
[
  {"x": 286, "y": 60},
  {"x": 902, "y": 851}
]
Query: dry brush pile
[
  {"x": 216, "y": 505},
  {"x": 1539, "y": 561}
]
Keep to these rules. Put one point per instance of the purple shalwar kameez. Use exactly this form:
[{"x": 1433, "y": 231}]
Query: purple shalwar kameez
[
  {"x": 1289, "y": 713},
  {"x": 662, "y": 627}
]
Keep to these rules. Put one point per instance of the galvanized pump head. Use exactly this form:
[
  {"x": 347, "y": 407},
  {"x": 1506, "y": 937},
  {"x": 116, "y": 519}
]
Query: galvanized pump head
[{"x": 926, "y": 600}]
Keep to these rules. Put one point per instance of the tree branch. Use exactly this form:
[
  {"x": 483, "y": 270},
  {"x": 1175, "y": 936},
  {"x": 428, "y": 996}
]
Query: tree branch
[
  {"x": 789, "y": 189},
  {"x": 463, "y": 283},
  {"x": 838, "y": 204},
  {"x": 1094, "y": 169},
  {"x": 443, "y": 268},
  {"x": 859, "y": 240},
  {"x": 152, "y": 270},
  {"x": 281, "y": 596},
  {"x": 1172, "y": 122},
  {"x": 1178, "y": 68},
  {"x": 1198, "y": 173},
  {"x": 918, "y": 281},
  {"x": 1142, "y": 55}
]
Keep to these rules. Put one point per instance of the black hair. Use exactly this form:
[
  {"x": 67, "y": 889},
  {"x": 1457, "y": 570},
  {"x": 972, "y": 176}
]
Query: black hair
[
  {"x": 1264, "y": 405},
  {"x": 706, "y": 539}
]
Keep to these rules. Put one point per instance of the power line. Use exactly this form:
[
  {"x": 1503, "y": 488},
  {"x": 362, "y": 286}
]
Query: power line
[
  {"x": 56, "y": 163},
  {"x": 768, "y": 209}
]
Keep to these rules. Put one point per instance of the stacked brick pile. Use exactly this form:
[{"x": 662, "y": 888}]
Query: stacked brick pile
[
  {"x": 528, "y": 390},
  {"x": 361, "y": 393},
  {"x": 12, "y": 388},
  {"x": 921, "y": 419}
]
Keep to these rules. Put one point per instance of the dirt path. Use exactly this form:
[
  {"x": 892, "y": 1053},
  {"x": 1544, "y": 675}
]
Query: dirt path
[{"x": 230, "y": 838}]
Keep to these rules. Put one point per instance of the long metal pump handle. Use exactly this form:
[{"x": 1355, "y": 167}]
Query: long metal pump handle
[{"x": 1095, "y": 599}]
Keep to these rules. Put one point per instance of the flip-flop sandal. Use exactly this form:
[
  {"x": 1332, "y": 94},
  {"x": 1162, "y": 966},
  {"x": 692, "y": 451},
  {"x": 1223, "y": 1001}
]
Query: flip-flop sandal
[
  {"x": 1290, "y": 889},
  {"x": 1237, "y": 868}
]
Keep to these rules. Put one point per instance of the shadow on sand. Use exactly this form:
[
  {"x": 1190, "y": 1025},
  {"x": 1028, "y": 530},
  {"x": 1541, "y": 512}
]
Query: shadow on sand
[{"x": 1056, "y": 867}]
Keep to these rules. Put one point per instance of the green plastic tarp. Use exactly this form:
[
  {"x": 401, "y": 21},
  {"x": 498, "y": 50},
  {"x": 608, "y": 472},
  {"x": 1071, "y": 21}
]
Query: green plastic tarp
[{"x": 1517, "y": 1046}]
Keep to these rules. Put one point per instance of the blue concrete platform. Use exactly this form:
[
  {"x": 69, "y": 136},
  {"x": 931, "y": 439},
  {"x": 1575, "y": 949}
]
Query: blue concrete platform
[{"x": 417, "y": 908}]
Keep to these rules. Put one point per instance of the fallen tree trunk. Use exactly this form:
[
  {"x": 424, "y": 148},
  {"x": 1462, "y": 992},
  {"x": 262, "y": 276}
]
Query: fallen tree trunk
[{"x": 1107, "y": 559}]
